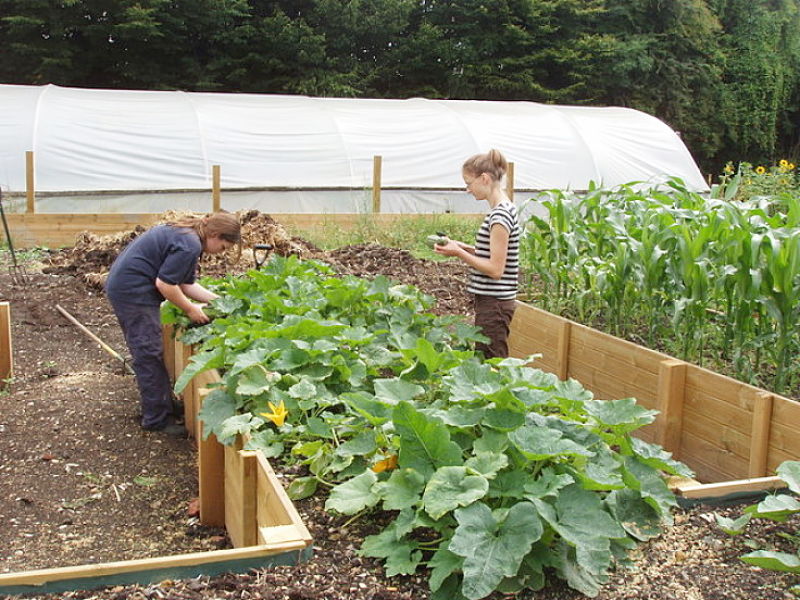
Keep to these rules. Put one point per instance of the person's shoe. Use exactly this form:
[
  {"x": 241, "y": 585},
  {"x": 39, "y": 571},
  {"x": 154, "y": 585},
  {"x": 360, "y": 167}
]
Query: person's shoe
[
  {"x": 175, "y": 430},
  {"x": 170, "y": 428}
]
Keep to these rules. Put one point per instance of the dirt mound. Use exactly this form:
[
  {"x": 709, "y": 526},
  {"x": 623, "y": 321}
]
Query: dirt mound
[
  {"x": 445, "y": 281},
  {"x": 92, "y": 255}
]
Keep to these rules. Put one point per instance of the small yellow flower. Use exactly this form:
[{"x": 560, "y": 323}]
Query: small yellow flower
[
  {"x": 791, "y": 166},
  {"x": 728, "y": 170},
  {"x": 760, "y": 170},
  {"x": 784, "y": 164},
  {"x": 387, "y": 464},
  {"x": 278, "y": 414}
]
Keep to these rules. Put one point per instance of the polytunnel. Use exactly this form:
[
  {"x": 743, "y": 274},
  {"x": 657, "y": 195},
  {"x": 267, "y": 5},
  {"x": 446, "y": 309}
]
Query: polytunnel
[{"x": 97, "y": 150}]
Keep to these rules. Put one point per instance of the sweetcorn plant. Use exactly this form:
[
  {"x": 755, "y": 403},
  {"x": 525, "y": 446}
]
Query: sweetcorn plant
[{"x": 491, "y": 474}]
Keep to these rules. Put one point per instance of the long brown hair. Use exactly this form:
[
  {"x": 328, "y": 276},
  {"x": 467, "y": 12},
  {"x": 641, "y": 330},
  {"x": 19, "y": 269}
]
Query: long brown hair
[{"x": 223, "y": 225}]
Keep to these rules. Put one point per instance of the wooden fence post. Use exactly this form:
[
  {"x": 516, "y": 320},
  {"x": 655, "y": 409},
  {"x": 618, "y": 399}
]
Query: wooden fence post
[
  {"x": 377, "y": 163},
  {"x": 215, "y": 188},
  {"x": 759, "y": 437},
  {"x": 6, "y": 356},
  {"x": 671, "y": 393},
  {"x": 510, "y": 181},
  {"x": 241, "y": 481},
  {"x": 30, "y": 193},
  {"x": 563, "y": 349},
  {"x": 210, "y": 474}
]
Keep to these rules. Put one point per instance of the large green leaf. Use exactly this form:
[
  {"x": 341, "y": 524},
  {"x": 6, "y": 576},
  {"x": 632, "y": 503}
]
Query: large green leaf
[
  {"x": 650, "y": 484},
  {"x": 789, "y": 471},
  {"x": 578, "y": 515},
  {"x": 601, "y": 472},
  {"x": 487, "y": 463},
  {"x": 621, "y": 415},
  {"x": 547, "y": 483},
  {"x": 402, "y": 490},
  {"x": 353, "y": 495},
  {"x": 255, "y": 380},
  {"x": 580, "y": 576},
  {"x": 540, "y": 443},
  {"x": 217, "y": 407},
  {"x": 363, "y": 443},
  {"x": 442, "y": 564},
  {"x": 493, "y": 550},
  {"x": 658, "y": 458},
  {"x": 460, "y": 416},
  {"x": 471, "y": 380},
  {"x": 375, "y": 412},
  {"x": 425, "y": 443},
  {"x": 400, "y": 555},
  {"x": 238, "y": 424},
  {"x": 777, "y": 507},
  {"x": 202, "y": 361},
  {"x": 775, "y": 561},
  {"x": 451, "y": 487},
  {"x": 635, "y": 515},
  {"x": 393, "y": 391}
]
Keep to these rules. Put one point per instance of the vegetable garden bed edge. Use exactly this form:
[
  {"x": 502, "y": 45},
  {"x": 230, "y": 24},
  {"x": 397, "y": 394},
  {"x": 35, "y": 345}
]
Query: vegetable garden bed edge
[
  {"x": 733, "y": 435},
  {"x": 238, "y": 489}
]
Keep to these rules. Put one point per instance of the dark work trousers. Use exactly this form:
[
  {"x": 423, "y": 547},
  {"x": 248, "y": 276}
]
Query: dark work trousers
[
  {"x": 493, "y": 316},
  {"x": 141, "y": 324}
]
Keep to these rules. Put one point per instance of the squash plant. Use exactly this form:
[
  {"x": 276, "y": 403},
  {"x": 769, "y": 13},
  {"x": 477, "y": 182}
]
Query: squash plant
[
  {"x": 775, "y": 507},
  {"x": 493, "y": 474}
]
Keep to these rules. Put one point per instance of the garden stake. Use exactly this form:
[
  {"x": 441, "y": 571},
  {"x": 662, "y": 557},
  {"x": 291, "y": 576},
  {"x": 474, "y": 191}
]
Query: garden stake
[
  {"x": 18, "y": 273},
  {"x": 103, "y": 345}
]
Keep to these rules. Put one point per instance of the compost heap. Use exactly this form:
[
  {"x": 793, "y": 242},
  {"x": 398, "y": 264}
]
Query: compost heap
[{"x": 91, "y": 256}]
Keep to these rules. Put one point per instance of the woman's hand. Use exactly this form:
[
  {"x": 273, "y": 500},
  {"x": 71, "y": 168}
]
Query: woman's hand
[{"x": 196, "y": 314}]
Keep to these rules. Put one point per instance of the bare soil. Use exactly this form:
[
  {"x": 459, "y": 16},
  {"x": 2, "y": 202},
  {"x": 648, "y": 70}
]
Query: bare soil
[{"x": 80, "y": 482}]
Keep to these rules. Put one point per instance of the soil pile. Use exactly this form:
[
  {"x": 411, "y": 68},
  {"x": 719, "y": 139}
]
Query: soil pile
[{"x": 446, "y": 281}]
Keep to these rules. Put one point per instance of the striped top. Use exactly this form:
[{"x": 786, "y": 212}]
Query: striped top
[{"x": 505, "y": 288}]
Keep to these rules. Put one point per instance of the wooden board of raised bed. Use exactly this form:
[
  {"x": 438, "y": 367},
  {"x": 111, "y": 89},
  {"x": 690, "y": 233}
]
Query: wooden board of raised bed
[{"x": 725, "y": 430}]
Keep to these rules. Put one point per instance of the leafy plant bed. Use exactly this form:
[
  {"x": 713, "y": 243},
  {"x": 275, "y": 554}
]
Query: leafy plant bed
[
  {"x": 679, "y": 564},
  {"x": 499, "y": 472}
]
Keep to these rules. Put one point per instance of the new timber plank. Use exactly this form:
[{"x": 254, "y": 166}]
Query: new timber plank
[
  {"x": 152, "y": 570},
  {"x": 719, "y": 435},
  {"x": 711, "y": 463},
  {"x": 6, "y": 353}
]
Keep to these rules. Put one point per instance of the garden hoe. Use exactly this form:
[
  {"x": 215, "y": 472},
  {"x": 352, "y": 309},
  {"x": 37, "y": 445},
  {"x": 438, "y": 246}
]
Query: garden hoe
[
  {"x": 265, "y": 250},
  {"x": 102, "y": 344},
  {"x": 18, "y": 273}
]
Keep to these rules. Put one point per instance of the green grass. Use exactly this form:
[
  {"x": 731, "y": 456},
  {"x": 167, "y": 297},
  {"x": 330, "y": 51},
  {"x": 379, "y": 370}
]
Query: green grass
[{"x": 408, "y": 233}]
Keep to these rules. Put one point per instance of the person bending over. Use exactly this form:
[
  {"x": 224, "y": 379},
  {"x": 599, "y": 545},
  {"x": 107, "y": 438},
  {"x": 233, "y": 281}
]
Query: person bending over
[{"x": 162, "y": 264}]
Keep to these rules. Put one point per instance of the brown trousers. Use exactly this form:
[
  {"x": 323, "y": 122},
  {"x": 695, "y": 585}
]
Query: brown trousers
[{"x": 493, "y": 316}]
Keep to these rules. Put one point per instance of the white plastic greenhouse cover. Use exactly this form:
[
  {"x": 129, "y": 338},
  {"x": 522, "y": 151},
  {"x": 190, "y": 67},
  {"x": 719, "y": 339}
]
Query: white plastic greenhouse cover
[{"x": 318, "y": 151}]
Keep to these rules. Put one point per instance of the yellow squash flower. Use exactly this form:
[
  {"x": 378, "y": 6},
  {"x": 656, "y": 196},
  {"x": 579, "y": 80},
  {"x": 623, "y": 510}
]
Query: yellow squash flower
[
  {"x": 387, "y": 464},
  {"x": 760, "y": 170},
  {"x": 784, "y": 163},
  {"x": 278, "y": 414}
]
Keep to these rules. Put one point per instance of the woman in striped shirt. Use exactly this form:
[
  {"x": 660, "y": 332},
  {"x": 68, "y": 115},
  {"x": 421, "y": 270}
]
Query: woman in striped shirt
[{"x": 494, "y": 259}]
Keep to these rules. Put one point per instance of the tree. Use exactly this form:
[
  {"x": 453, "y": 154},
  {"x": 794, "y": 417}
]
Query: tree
[
  {"x": 759, "y": 96},
  {"x": 662, "y": 57}
]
